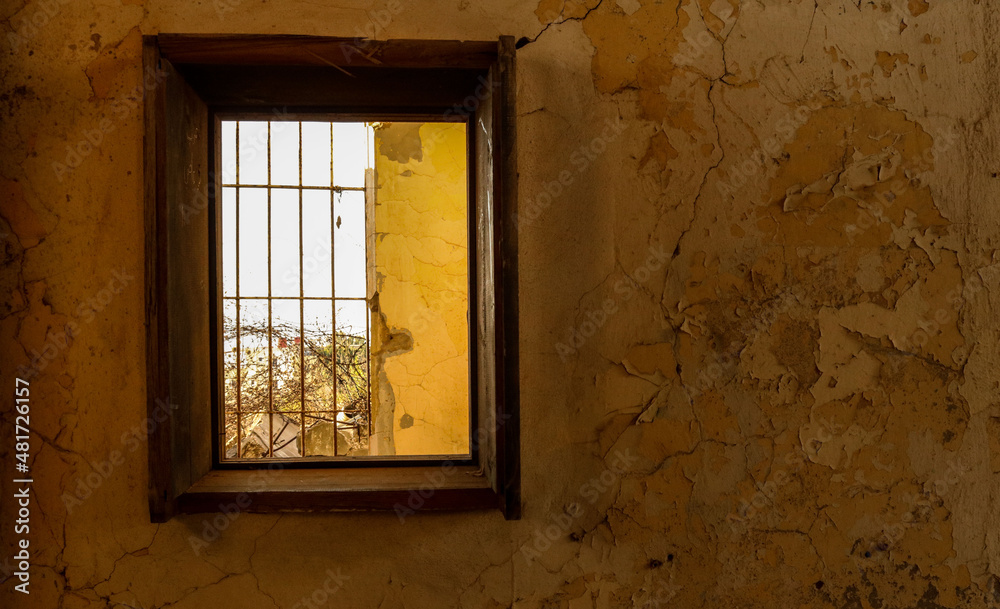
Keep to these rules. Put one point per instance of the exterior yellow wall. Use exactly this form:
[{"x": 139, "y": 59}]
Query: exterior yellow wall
[
  {"x": 420, "y": 347},
  {"x": 759, "y": 275}
]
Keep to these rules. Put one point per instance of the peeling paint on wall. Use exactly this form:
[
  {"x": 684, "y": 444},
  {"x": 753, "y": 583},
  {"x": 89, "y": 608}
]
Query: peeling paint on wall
[
  {"x": 420, "y": 343},
  {"x": 804, "y": 382}
]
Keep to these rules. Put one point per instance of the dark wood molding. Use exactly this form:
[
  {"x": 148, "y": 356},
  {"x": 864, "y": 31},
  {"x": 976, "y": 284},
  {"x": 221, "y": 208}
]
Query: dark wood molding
[
  {"x": 277, "y": 89},
  {"x": 508, "y": 343},
  {"x": 403, "y": 490},
  {"x": 266, "y": 501},
  {"x": 205, "y": 75},
  {"x": 160, "y": 487},
  {"x": 295, "y": 50}
]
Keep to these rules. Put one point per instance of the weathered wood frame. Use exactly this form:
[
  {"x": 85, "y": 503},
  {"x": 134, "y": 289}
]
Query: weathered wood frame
[{"x": 198, "y": 76}]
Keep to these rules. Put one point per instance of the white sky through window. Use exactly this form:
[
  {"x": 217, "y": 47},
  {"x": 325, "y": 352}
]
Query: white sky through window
[{"x": 291, "y": 166}]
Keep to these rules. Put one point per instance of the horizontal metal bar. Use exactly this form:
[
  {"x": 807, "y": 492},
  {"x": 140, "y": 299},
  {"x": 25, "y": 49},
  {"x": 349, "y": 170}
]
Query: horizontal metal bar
[
  {"x": 289, "y": 187},
  {"x": 308, "y": 412},
  {"x": 356, "y": 298},
  {"x": 316, "y": 413}
]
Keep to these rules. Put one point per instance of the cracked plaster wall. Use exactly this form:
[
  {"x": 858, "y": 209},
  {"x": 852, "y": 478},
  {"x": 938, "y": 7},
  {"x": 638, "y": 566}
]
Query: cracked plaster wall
[
  {"x": 420, "y": 342},
  {"x": 758, "y": 314}
]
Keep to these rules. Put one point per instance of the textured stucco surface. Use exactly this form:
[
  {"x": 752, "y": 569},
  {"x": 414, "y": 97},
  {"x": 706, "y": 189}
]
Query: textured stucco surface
[
  {"x": 420, "y": 338},
  {"x": 758, "y": 312}
]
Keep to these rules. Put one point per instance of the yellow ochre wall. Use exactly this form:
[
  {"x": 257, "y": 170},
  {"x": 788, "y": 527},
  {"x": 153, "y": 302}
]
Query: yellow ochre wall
[
  {"x": 420, "y": 350},
  {"x": 760, "y": 359}
]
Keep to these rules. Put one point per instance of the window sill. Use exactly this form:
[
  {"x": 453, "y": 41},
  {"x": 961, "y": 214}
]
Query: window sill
[{"x": 401, "y": 489}]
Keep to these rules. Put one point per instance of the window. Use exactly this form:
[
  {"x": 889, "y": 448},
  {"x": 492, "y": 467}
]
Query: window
[
  {"x": 331, "y": 274},
  {"x": 345, "y": 289}
]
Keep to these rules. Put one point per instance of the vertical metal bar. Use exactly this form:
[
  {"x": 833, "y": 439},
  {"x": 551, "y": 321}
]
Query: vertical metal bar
[
  {"x": 333, "y": 298},
  {"x": 302, "y": 362},
  {"x": 239, "y": 352},
  {"x": 270, "y": 356},
  {"x": 302, "y": 314}
]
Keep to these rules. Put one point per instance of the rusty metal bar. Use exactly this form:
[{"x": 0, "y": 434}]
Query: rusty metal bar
[
  {"x": 270, "y": 320},
  {"x": 301, "y": 187},
  {"x": 302, "y": 310},
  {"x": 333, "y": 297},
  {"x": 302, "y": 321},
  {"x": 301, "y": 297},
  {"x": 239, "y": 352}
]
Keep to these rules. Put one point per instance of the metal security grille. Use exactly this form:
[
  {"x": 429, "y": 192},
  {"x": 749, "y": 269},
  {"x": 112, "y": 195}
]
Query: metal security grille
[{"x": 296, "y": 328}]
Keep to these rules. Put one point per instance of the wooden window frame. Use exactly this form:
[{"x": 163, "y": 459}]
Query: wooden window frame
[{"x": 200, "y": 76}]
